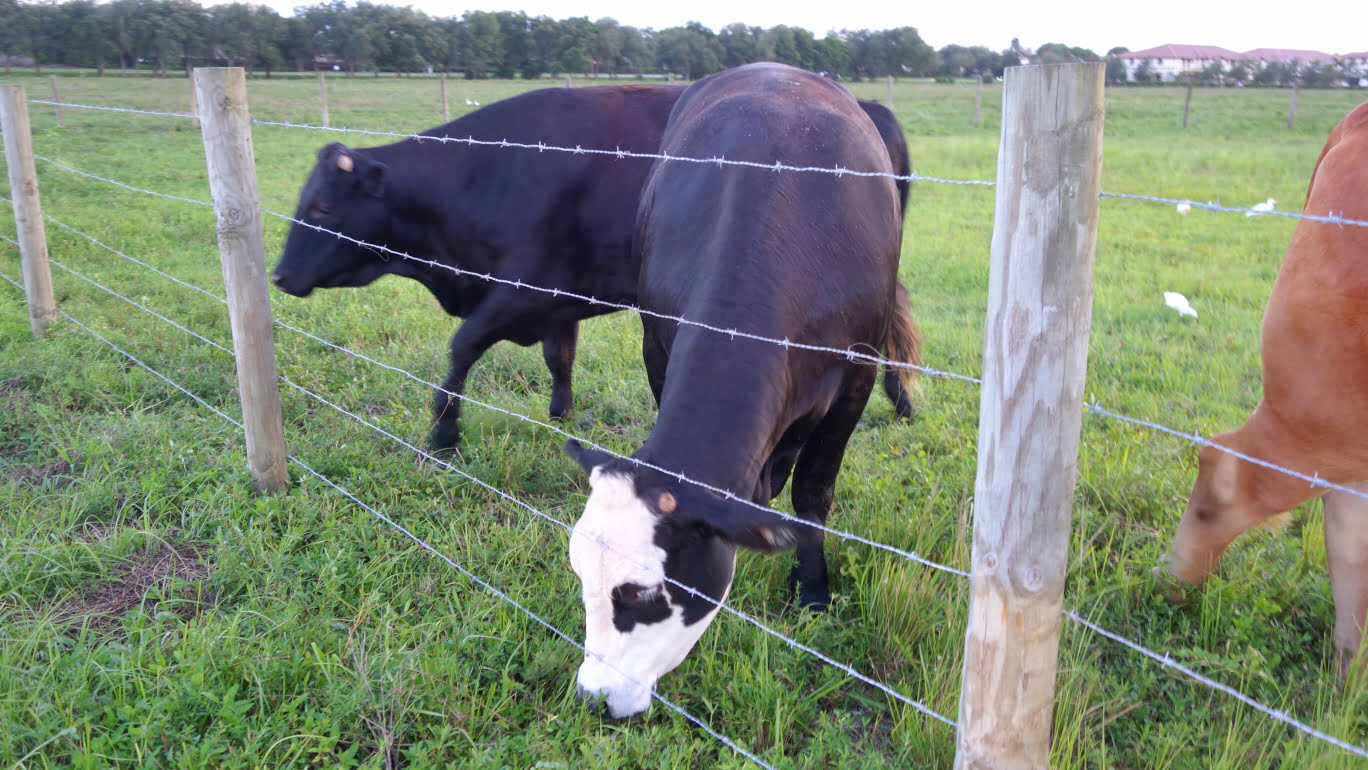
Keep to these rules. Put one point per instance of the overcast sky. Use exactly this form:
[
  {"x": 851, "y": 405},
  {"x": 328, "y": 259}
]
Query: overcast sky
[{"x": 1332, "y": 26}]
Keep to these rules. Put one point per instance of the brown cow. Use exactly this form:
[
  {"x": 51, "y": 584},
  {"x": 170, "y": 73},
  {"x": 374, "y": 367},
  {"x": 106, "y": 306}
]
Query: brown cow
[{"x": 1314, "y": 414}]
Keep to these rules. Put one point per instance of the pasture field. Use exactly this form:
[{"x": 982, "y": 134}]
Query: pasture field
[{"x": 153, "y": 613}]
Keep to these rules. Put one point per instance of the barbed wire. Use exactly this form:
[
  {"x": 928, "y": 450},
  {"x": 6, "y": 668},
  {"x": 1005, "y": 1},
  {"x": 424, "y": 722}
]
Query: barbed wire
[
  {"x": 733, "y": 333},
  {"x": 845, "y": 668},
  {"x": 1330, "y": 219},
  {"x": 421, "y": 543},
  {"x": 89, "y": 175},
  {"x": 112, "y": 109},
  {"x": 1167, "y": 661},
  {"x": 1313, "y": 479}
]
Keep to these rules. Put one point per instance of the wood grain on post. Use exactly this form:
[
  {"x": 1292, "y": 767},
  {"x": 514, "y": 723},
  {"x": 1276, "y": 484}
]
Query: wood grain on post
[
  {"x": 446, "y": 110},
  {"x": 1034, "y": 361},
  {"x": 28, "y": 210},
  {"x": 227, "y": 131},
  {"x": 57, "y": 108},
  {"x": 323, "y": 95}
]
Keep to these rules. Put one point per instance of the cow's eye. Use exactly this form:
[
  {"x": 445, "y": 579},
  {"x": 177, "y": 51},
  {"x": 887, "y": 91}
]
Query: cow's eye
[
  {"x": 634, "y": 595},
  {"x": 319, "y": 211}
]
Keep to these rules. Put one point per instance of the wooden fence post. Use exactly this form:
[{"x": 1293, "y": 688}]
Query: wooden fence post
[
  {"x": 978, "y": 99},
  {"x": 1187, "y": 103},
  {"x": 57, "y": 108},
  {"x": 194, "y": 101},
  {"x": 1030, "y": 413},
  {"x": 28, "y": 211},
  {"x": 446, "y": 109},
  {"x": 323, "y": 95},
  {"x": 1292, "y": 108},
  {"x": 227, "y": 130},
  {"x": 568, "y": 82}
]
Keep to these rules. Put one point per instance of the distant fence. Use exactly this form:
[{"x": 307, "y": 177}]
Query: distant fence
[{"x": 1039, "y": 311}]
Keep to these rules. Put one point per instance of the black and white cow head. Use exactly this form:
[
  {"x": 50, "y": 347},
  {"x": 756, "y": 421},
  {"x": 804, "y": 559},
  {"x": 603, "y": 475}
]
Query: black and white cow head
[
  {"x": 345, "y": 193},
  {"x": 642, "y": 537}
]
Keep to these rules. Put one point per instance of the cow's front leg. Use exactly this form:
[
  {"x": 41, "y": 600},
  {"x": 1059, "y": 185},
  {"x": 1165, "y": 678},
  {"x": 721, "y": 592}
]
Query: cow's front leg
[
  {"x": 558, "y": 350},
  {"x": 470, "y": 341}
]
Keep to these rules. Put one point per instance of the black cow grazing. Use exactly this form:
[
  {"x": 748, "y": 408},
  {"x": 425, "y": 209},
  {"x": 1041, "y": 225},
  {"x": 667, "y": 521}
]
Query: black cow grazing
[
  {"x": 809, "y": 257},
  {"x": 551, "y": 219}
]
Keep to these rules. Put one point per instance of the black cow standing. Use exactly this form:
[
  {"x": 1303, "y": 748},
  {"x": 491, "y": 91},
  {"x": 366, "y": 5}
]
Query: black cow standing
[
  {"x": 809, "y": 257},
  {"x": 551, "y": 219}
]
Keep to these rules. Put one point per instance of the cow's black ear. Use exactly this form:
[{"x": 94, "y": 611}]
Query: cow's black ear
[
  {"x": 373, "y": 179},
  {"x": 588, "y": 458},
  {"x": 733, "y": 519},
  {"x": 330, "y": 151}
]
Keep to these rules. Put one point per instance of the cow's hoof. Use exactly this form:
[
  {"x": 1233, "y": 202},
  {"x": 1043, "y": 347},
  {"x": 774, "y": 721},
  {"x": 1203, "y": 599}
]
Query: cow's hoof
[{"x": 443, "y": 443}]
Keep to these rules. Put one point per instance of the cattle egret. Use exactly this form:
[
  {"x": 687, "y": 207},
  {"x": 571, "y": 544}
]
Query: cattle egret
[
  {"x": 1184, "y": 207},
  {"x": 1180, "y": 303},
  {"x": 1261, "y": 208}
]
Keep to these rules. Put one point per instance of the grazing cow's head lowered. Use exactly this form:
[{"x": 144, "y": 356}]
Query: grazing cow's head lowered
[
  {"x": 639, "y": 528},
  {"x": 345, "y": 193}
]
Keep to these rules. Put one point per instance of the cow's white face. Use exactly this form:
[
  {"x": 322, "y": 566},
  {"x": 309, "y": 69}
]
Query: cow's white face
[{"x": 636, "y": 625}]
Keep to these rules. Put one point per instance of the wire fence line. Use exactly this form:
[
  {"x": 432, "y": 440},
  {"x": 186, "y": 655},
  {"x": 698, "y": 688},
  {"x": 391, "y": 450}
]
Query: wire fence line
[
  {"x": 845, "y": 668},
  {"x": 421, "y": 543},
  {"x": 778, "y": 166},
  {"x": 1167, "y": 661},
  {"x": 89, "y": 175},
  {"x": 1164, "y": 659}
]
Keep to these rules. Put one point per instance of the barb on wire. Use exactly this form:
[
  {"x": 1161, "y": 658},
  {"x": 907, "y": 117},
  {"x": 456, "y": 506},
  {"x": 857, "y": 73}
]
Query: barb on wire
[
  {"x": 1313, "y": 479},
  {"x": 1167, "y": 661},
  {"x": 845, "y": 668},
  {"x": 622, "y": 154},
  {"x": 1330, "y": 219},
  {"x": 89, "y": 175},
  {"x": 419, "y": 541},
  {"x": 733, "y": 333},
  {"x": 111, "y": 109}
]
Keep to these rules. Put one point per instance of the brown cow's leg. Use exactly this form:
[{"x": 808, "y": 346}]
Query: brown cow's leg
[{"x": 1346, "y": 550}]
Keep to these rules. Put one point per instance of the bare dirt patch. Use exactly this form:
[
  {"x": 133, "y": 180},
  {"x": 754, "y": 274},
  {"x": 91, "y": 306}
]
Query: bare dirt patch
[{"x": 145, "y": 580}]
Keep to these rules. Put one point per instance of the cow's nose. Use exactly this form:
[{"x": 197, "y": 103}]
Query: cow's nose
[
  {"x": 276, "y": 278},
  {"x": 594, "y": 700}
]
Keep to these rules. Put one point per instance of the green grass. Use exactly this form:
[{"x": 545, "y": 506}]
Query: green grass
[{"x": 313, "y": 635}]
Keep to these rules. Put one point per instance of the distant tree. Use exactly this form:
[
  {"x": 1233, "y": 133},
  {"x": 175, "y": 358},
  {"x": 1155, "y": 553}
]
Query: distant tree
[
  {"x": 831, "y": 54},
  {"x": 1212, "y": 74},
  {"x": 1144, "y": 72},
  {"x": 743, "y": 45},
  {"x": 481, "y": 45},
  {"x": 692, "y": 50},
  {"x": 1275, "y": 73},
  {"x": 1240, "y": 72},
  {"x": 1323, "y": 75},
  {"x": 574, "y": 41},
  {"x": 231, "y": 36},
  {"x": 1117, "y": 73}
]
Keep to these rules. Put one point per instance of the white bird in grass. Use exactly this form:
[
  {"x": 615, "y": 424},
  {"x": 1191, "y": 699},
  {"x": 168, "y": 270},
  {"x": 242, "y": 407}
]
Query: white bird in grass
[
  {"x": 1180, "y": 303},
  {"x": 1261, "y": 208},
  {"x": 1184, "y": 207}
]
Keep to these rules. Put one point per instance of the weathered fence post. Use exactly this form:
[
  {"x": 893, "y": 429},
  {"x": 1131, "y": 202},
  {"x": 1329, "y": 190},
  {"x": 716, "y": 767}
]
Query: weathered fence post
[
  {"x": 194, "y": 101},
  {"x": 227, "y": 131},
  {"x": 446, "y": 109},
  {"x": 1034, "y": 361},
  {"x": 57, "y": 108},
  {"x": 1187, "y": 103},
  {"x": 978, "y": 99},
  {"x": 1292, "y": 108},
  {"x": 323, "y": 95},
  {"x": 888, "y": 92},
  {"x": 28, "y": 211},
  {"x": 568, "y": 82}
]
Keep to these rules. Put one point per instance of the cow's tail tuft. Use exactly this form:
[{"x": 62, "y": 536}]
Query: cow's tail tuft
[{"x": 903, "y": 345}]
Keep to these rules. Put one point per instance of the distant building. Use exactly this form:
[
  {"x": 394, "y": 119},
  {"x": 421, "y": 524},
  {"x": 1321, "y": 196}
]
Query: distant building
[{"x": 1167, "y": 63}]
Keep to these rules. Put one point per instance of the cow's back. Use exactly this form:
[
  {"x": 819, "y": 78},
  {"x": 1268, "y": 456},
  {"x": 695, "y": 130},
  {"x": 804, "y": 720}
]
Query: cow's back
[{"x": 1315, "y": 332}]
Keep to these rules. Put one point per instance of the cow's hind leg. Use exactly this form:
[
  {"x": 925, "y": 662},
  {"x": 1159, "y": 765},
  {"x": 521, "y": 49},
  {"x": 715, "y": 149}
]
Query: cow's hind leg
[
  {"x": 558, "y": 350},
  {"x": 1346, "y": 550},
  {"x": 814, "y": 486}
]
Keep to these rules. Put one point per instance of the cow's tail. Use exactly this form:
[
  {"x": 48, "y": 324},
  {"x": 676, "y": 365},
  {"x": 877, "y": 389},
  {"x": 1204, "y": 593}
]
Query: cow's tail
[{"x": 904, "y": 345}]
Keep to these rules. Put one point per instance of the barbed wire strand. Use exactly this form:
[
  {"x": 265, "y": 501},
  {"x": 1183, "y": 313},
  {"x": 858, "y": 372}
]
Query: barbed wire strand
[
  {"x": 1330, "y": 219},
  {"x": 1167, "y": 661},
  {"x": 423, "y": 544},
  {"x": 848, "y": 670},
  {"x": 89, "y": 175},
  {"x": 112, "y": 109}
]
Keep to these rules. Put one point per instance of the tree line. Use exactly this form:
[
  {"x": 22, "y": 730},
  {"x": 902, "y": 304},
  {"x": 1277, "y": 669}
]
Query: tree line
[{"x": 365, "y": 37}]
